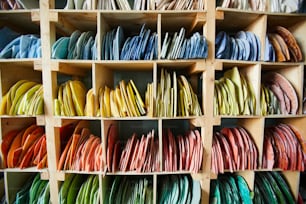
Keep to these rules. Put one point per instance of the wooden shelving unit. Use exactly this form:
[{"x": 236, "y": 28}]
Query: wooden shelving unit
[{"x": 51, "y": 23}]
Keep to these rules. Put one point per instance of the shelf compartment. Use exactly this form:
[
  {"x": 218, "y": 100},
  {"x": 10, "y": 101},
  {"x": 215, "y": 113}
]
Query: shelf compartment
[
  {"x": 113, "y": 187},
  {"x": 294, "y": 75},
  {"x": 79, "y": 76},
  {"x": 236, "y": 107},
  {"x": 25, "y": 69},
  {"x": 294, "y": 23},
  {"x": 109, "y": 76},
  {"x": 182, "y": 147},
  {"x": 80, "y": 187},
  {"x": 230, "y": 127},
  {"x": 123, "y": 138},
  {"x": 15, "y": 181},
  {"x": 22, "y": 130},
  {"x": 185, "y": 188},
  {"x": 287, "y": 141},
  {"x": 172, "y": 84},
  {"x": 78, "y": 147}
]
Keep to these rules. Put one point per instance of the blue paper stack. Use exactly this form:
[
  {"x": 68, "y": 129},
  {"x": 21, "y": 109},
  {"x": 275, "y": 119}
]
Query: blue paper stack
[
  {"x": 80, "y": 45},
  {"x": 245, "y": 45},
  {"x": 14, "y": 45},
  {"x": 269, "y": 51},
  {"x": 179, "y": 47},
  {"x": 139, "y": 47}
]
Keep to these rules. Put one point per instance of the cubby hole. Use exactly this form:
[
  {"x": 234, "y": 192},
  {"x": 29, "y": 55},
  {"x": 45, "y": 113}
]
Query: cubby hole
[
  {"x": 242, "y": 136},
  {"x": 117, "y": 80},
  {"x": 132, "y": 146},
  {"x": 244, "y": 179},
  {"x": 237, "y": 90},
  {"x": 80, "y": 146},
  {"x": 284, "y": 180},
  {"x": 290, "y": 79},
  {"x": 31, "y": 137},
  {"x": 84, "y": 187},
  {"x": 17, "y": 33},
  {"x": 245, "y": 37},
  {"x": 179, "y": 79},
  {"x": 74, "y": 35},
  {"x": 73, "y": 84},
  {"x": 20, "y": 182},
  {"x": 28, "y": 82},
  {"x": 123, "y": 188},
  {"x": 118, "y": 36},
  {"x": 285, "y": 135},
  {"x": 182, "y": 146},
  {"x": 26, "y": 71},
  {"x": 184, "y": 186},
  {"x": 294, "y": 24},
  {"x": 178, "y": 41}
]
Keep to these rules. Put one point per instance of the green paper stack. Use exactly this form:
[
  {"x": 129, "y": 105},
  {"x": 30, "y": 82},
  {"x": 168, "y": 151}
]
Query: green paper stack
[
  {"x": 271, "y": 187},
  {"x": 179, "y": 189},
  {"x": 34, "y": 191},
  {"x": 76, "y": 189},
  {"x": 234, "y": 95},
  {"x": 130, "y": 190},
  {"x": 230, "y": 189}
]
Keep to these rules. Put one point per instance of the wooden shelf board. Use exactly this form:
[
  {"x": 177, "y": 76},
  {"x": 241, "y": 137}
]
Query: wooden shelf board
[
  {"x": 239, "y": 116},
  {"x": 28, "y": 62},
  {"x": 30, "y": 169},
  {"x": 39, "y": 118},
  {"x": 126, "y": 64},
  {"x": 284, "y": 116}
]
